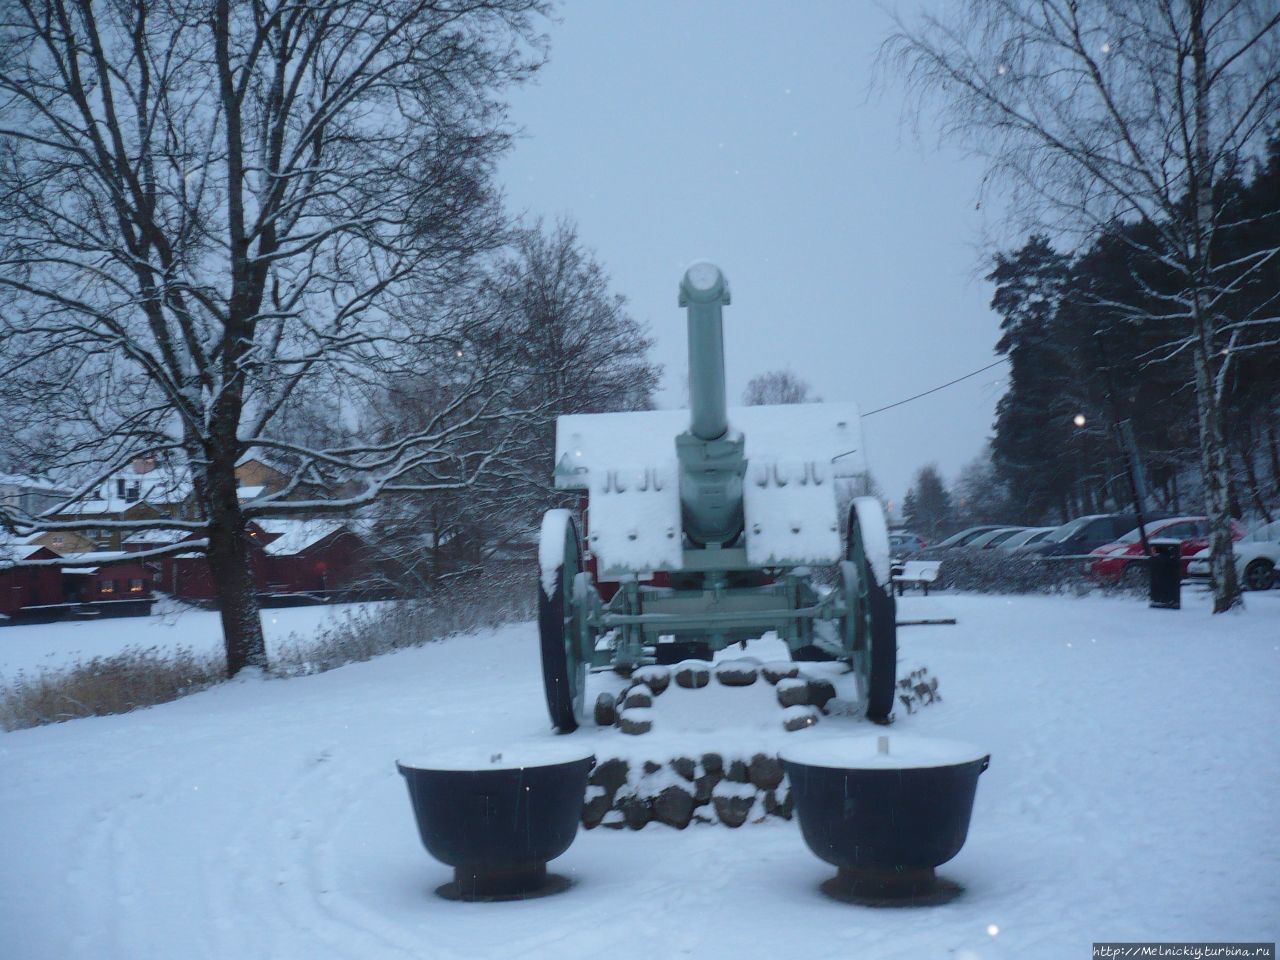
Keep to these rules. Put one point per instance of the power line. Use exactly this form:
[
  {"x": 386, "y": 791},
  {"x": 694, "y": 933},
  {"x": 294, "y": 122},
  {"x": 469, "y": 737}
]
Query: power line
[{"x": 944, "y": 386}]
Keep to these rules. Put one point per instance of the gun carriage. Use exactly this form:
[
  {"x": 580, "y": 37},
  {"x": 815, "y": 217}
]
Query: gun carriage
[{"x": 710, "y": 522}]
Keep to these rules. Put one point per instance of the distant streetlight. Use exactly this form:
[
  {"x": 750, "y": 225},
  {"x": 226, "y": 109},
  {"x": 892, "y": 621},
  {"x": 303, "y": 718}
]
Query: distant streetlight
[{"x": 1078, "y": 420}]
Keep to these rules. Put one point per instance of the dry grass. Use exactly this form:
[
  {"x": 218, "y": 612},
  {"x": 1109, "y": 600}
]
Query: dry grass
[
  {"x": 138, "y": 677},
  {"x": 105, "y": 685}
]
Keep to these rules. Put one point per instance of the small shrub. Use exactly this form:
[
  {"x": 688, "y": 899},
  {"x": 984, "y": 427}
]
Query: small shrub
[{"x": 917, "y": 690}]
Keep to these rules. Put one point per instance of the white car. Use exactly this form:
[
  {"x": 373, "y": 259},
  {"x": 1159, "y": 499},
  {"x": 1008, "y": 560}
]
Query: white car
[{"x": 1257, "y": 558}]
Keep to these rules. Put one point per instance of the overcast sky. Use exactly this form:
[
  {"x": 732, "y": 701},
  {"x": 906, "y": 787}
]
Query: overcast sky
[{"x": 743, "y": 133}]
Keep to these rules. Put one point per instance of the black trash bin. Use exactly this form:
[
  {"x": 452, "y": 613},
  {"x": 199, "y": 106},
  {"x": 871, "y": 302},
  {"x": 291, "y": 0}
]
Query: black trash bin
[{"x": 1166, "y": 574}]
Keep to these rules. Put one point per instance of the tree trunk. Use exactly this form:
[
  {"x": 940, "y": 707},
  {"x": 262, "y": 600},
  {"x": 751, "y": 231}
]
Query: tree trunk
[
  {"x": 232, "y": 570},
  {"x": 1215, "y": 462},
  {"x": 1215, "y": 468}
]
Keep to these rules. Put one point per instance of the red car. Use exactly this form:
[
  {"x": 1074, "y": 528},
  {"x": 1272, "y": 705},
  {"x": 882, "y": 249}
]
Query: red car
[{"x": 1113, "y": 563}]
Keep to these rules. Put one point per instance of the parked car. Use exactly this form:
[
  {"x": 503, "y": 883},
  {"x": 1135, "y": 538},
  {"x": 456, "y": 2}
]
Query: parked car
[
  {"x": 904, "y": 543},
  {"x": 1027, "y": 537},
  {"x": 1114, "y": 561},
  {"x": 1083, "y": 535},
  {"x": 961, "y": 539},
  {"x": 993, "y": 539},
  {"x": 1257, "y": 558}
]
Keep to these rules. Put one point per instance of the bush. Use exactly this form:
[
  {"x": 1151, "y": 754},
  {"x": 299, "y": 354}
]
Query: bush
[
  {"x": 999, "y": 571},
  {"x": 138, "y": 677}
]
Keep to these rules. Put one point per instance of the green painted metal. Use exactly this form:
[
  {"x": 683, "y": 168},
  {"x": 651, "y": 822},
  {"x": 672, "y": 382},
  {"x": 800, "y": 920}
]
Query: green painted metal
[
  {"x": 717, "y": 596},
  {"x": 712, "y": 460}
]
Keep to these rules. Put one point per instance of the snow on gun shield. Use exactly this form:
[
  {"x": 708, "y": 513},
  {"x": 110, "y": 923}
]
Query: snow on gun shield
[{"x": 702, "y": 526}]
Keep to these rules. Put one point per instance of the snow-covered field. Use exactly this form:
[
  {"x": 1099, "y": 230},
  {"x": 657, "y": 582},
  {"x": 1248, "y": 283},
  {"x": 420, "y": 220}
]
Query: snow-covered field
[
  {"x": 1131, "y": 796},
  {"x": 53, "y": 646}
]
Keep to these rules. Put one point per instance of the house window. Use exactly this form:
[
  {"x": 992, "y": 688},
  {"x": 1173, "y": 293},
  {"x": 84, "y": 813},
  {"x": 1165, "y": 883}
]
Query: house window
[
  {"x": 57, "y": 541},
  {"x": 135, "y": 586},
  {"x": 107, "y": 586}
]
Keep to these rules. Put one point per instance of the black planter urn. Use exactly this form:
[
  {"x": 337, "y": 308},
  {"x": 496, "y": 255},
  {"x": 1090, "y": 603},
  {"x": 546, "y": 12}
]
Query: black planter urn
[
  {"x": 497, "y": 818},
  {"x": 885, "y": 811}
]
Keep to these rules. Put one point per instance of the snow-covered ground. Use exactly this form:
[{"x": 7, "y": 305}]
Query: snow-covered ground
[
  {"x": 1131, "y": 796},
  {"x": 53, "y": 646}
]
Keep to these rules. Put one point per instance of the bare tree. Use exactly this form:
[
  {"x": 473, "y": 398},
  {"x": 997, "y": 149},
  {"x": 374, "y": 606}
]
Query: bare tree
[
  {"x": 1102, "y": 112},
  {"x": 207, "y": 208},
  {"x": 777, "y": 386},
  {"x": 568, "y": 345}
]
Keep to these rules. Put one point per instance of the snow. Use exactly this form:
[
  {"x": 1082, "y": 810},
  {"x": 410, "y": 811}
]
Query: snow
[
  {"x": 1131, "y": 797},
  {"x": 628, "y": 463},
  {"x": 551, "y": 544},
  {"x": 502, "y": 754},
  {"x": 791, "y": 514},
  {"x": 875, "y": 537},
  {"x": 14, "y": 549},
  {"x": 56, "y": 646},
  {"x": 828, "y": 433},
  {"x": 702, "y": 275},
  {"x": 634, "y": 520},
  {"x": 294, "y": 536},
  {"x": 863, "y": 753}
]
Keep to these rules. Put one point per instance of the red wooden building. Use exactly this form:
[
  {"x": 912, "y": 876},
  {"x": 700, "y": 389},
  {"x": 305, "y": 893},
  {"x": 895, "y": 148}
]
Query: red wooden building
[
  {"x": 291, "y": 559},
  {"x": 105, "y": 577},
  {"x": 27, "y": 588},
  {"x": 38, "y": 584}
]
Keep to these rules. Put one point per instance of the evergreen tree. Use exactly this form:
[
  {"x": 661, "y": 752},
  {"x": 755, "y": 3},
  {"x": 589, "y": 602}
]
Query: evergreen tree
[{"x": 927, "y": 508}]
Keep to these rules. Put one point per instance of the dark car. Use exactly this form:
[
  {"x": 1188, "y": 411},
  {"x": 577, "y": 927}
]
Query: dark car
[
  {"x": 995, "y": 538},
  {"x": 961, "y": 539},
  {"x": 1082, "y": 535}
]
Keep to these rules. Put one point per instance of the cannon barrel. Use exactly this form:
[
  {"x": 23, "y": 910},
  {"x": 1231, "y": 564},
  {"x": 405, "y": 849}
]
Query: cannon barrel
[
  {"x": 712, "y": 462},
  {"x": 705, "y": 291}
]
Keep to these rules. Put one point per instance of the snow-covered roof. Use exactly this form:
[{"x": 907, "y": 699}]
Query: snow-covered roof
[
  {"x": 94, "y": 557},
  {"x": 250, "y": 493},
  {"x": 163, "y": 485},
  {"x": 294, "y": 536},
  {"x": 43, "y": 484},
  {"x": 157, "y": 536},
  {"x": 13, "y": 549}
]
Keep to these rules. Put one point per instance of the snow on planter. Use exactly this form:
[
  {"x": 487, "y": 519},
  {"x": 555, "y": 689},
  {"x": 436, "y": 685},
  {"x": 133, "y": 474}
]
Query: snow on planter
[
  {"x": 509, "y": 756},
  {"x": 864, "y": 753}
]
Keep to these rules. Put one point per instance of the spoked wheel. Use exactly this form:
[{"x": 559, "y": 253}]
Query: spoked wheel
[
  {"x": 871, "y": 627},
  {"x": 564, "y": 663}
]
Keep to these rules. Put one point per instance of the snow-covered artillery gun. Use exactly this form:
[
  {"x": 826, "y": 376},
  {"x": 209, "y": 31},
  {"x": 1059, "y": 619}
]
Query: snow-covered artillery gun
[{"x": 708, "y": 522}]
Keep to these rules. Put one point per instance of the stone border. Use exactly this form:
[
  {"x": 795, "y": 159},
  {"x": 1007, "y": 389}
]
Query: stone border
[
  {"x": 804, "y": 699},
  {"x": 706, "y": 789}
]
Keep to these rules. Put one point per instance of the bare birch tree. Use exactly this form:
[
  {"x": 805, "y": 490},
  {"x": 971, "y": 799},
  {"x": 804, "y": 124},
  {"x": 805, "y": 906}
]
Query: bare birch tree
[
  {"x": 208, "y": 208},
  {"x": 1102, "y": 112}
]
